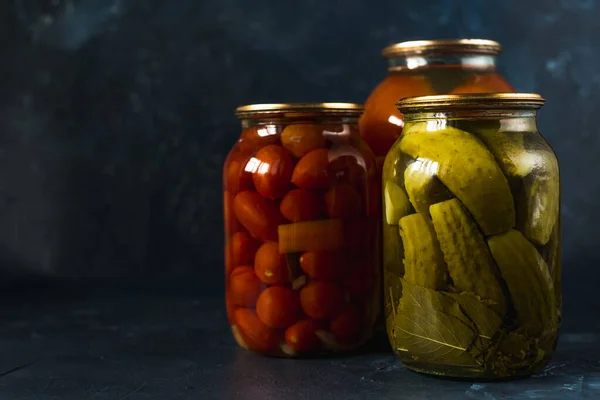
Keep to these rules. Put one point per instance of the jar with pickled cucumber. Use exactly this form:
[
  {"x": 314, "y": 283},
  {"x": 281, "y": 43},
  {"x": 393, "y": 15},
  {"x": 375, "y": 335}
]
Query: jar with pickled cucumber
[
  {"x": 302, "y": 221},
  {"x": 427, "y": 67},
  {"x": 471, "y": 237}
]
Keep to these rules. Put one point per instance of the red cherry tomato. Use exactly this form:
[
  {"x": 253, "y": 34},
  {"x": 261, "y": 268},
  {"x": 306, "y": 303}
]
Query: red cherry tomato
[
  {"x": 270, "y": 266},
  {"x": 257, "y": 335},
  {"x": 321, "y": 300},
  {"x": 324, "y": 265},
  {"x": 244, "y": 287},
  {"x": 300, "y": 205},
  {"x": 273, "y": 171},
  {"x": 277, "y": 307},
  {"x": 302, "y": 335}
]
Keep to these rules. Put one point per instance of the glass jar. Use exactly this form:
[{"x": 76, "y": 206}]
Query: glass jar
[
  {"x": 427, "y": 67},
  {"x": 301, "y": 223},
  {"x": 472, "y": 271}
]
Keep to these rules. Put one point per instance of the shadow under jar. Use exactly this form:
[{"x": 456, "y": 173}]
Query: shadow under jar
[
  {"x": 422, "y": 68},
  {"x": 472, "y": 269},
  {"x": 301, "y": 222}
]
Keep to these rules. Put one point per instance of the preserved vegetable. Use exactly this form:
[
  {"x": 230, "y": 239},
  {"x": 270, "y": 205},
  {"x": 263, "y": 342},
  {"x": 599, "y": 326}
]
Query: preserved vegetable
[
  {"x": 301, "y": 213},
  {"x": 472, "y": 280},
  {"x": 423, "y": 260},
  {"x": 469, "y": 171}
]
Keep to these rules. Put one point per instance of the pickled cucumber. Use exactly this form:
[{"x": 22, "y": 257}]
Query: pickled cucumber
[
  {"x": 534, "y": 178},
  {"x": 555, "y": 264},
  {"x": 396, "y": 203},
  {"x": 469, "y": 170},
  {"x": 470, "y": 264},
  {"x": 539, "y": 202},
  {"x": 423, "y": 260},
  {"x": 423, "y": 186},
  {"x": 393, "y": 250},
  {"x": 509, "y": 151},
  {"x": 528, "y": 280},
  {"x": 479, "y": 126}
]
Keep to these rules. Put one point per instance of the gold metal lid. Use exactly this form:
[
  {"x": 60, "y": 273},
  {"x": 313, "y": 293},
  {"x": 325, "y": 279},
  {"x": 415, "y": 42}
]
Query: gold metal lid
[
  {"x": 340, "y": 109},
  {"x": 475, "y": 46},
  {"x": 481, "y": 101}
]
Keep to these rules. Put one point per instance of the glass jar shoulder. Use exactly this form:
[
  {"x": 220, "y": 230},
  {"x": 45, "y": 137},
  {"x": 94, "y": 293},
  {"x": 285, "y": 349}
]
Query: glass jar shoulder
[
  {"x": 381, "y": 124},
  {"x": 400, "y": 84},
  {"x": 445, "y": 79}
]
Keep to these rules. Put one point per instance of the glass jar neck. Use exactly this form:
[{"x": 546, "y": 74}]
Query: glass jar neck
[
  {"x": 300, "y": 119},
  {"x": 510, "y": 120},
  {"x": 423, "y": 61}
]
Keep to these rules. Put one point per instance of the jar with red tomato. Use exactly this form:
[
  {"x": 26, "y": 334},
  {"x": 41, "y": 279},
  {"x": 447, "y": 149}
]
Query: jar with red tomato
[
  {"x": 301, "y": 202},
  {"x": 427, "y": 67}
]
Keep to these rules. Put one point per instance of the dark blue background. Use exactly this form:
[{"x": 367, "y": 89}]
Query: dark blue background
[{"x": 116, "y": 115}]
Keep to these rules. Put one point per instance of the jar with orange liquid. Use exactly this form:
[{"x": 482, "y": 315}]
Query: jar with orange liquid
[
  {"x": 301, "y": 223},
  {"x": 427, "y": 67}
]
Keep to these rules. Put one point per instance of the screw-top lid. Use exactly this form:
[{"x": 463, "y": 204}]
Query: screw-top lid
[
  {"x": 471, "y": 101},
  {"x": 440, "y": 46},
  {"x": 340, "y": 109}
]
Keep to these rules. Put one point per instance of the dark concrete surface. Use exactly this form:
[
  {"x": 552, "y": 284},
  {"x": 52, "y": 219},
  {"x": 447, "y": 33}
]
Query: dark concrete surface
[{"x": 135, "y": 343}]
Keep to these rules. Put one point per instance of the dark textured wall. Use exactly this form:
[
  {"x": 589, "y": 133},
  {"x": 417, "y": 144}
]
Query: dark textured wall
[{"x": 116, "y": 115}]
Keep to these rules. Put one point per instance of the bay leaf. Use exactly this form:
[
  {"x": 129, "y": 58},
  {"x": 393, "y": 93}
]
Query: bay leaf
[
  {"x": 430, "y": 327},
  {"x": 486, "y": 321}
]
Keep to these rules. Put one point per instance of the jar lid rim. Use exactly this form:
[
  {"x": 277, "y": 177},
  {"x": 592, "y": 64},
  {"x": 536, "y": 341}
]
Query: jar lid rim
[
  {"x": 250, "y": 110},
  {"x": 471, "y": 101},
  {"x": 478, "y": 46}
]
